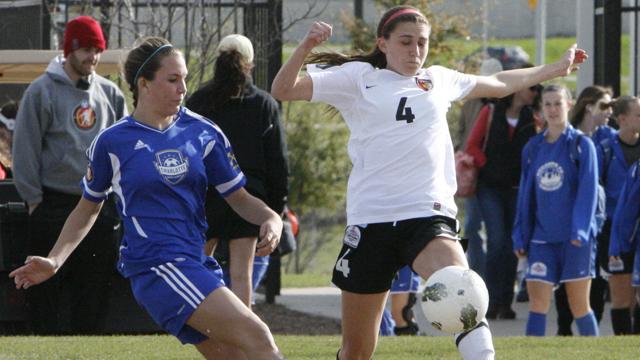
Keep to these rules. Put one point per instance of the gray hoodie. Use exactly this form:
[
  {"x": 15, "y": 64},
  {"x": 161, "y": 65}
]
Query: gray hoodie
[{"x": 56, "y": 123}]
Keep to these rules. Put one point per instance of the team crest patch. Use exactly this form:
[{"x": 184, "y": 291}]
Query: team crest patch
[
  {"x": 550, "y": 176},
  {"x": 171, "y": 165},
  {"x": 233, "y": 161},
  {"x": 352, "y": 236},
  {"x": 538, "y": 269},
  {"x": 84, "y": 116},
  {"x": 424, "y": 84}
]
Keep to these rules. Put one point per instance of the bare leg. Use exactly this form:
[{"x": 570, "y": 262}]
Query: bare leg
[
  {"x": 621, "y": 291},
  {"x": 210, "y": 246},
  {"x": 539, "y": 296},
  {"x": 439, "y": 253},
  {"x": 241, "y": 254},
  {"x": 398, "y": 302},
  {"x": 361, "y": 316},
  {"x": 578, "y": 296},
  {"x": 242, "y": 335}
]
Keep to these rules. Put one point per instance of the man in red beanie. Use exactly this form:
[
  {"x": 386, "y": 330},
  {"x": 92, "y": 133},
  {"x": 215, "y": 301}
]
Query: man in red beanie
[{"x": 60, "y": 114}]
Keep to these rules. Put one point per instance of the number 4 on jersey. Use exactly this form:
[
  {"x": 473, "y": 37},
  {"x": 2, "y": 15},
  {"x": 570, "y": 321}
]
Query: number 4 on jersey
[{"x": 404, "y": 113}]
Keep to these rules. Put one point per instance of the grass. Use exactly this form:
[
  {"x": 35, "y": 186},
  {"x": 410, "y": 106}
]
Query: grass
[
  {"x": 306, "y": 279},
  {"x": 316, "y": 347}
]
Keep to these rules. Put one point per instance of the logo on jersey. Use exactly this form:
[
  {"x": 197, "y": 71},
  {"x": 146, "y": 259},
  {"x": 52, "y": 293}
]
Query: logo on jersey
[
  {"x": 171, "y": 165},
  {"x": 84, "y": 116},
  {"x": 538, "y": 269},
  {"x": 352, "y": 236},
  {"x": 233, "y": 161},
  {"x": 550, "y": 176},
  {"x": 424, "y": 84}
]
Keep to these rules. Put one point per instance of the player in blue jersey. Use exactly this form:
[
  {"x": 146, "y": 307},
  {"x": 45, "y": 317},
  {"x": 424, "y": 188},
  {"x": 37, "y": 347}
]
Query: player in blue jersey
[
  {"x": 400, "y": 205},
  {"x": 559, "y": 171},
  {"x": 622, "y": 151},
  {"x": 159, "y": 162},
  {"x": 590, "y": 114},
  {"x": 625, "y": 237}
]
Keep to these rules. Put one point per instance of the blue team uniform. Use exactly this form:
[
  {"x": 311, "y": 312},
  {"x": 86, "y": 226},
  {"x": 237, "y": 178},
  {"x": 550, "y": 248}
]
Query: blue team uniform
[
  {"x": 611, "y": 164},
  {"x": 556, "y": 203},
  {"x": 160, "y": 179},
  {"x": 626, "y": 220}
]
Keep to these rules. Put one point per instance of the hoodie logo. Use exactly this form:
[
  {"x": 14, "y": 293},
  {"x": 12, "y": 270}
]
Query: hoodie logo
[
  {"x": 550, "y": 176},
  {"x": 84, "y": 116}
]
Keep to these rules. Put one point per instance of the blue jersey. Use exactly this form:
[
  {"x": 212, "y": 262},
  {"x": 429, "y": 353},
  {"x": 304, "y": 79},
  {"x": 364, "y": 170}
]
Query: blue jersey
[
  {"x": 612, "y": 164},
  {"x": 557, "y": 197},
  {"x": 160, "y": 179},
  {"x": 625, "y": 234}
]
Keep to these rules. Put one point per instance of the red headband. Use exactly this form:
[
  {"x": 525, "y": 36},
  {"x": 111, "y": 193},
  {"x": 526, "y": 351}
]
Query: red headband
[{"x": 401, "y": 12}]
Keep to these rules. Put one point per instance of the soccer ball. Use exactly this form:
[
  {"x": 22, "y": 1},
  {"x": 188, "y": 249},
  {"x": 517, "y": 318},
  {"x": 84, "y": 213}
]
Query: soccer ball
[{"x": 455, "y": 299}]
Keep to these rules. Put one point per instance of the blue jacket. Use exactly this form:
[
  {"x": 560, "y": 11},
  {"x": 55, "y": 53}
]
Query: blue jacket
[
  {"x": 557, "y": 197},
  {"x": 612, "y": 165},
  {"x": 626, "y": 219}
]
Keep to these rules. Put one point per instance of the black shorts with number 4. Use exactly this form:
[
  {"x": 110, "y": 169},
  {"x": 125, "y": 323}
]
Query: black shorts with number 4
[{"x": 372, "y": 254}]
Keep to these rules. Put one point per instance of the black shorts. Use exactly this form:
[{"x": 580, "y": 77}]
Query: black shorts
[
  {"x": 224, "y": 223},
  {"x": 626, "y": 267},
  {"x": 372, "y": 254}
]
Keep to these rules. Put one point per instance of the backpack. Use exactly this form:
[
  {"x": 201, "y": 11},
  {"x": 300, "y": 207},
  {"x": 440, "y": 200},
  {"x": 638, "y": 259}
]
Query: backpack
[{"x": 601, "y": 200}]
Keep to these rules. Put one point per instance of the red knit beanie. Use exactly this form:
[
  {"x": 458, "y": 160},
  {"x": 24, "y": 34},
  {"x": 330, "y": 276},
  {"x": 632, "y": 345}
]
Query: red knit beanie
[{"x": 83, "y": 32}]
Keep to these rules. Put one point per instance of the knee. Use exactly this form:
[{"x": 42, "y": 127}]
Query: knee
[{"x": 259, "y": 339}]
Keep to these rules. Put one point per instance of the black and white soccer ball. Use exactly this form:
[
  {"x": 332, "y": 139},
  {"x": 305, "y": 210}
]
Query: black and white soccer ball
[{"x": 455, "y": 299}]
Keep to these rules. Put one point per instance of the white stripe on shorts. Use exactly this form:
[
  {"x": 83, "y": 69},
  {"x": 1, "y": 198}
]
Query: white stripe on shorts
[
  {"x": 186, "y": 280},
  {"x": 196, "y": 297},
  {"x": 185, "y": 297}
]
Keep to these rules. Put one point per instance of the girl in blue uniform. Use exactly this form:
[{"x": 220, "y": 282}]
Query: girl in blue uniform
[
  {"x": 159, "y": 162},
  {"x": 555, "y": 224},
  {"x": 616, "y": 157},
  {"x": 625, "y": 237},
  {"x": 590, "y": 114}
]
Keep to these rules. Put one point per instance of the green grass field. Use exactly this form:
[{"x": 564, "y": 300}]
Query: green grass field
[{"x": 316, "y": 348}]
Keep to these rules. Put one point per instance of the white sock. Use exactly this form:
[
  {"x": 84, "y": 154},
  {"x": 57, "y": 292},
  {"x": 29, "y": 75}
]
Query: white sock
[{"x": 476, "y": 344}]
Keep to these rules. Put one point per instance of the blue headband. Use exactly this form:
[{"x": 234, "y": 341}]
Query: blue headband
[{"x": 135, "y": 79}]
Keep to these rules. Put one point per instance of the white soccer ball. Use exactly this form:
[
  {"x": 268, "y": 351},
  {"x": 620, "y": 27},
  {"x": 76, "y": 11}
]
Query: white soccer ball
[{"x": 455, "y": 299}]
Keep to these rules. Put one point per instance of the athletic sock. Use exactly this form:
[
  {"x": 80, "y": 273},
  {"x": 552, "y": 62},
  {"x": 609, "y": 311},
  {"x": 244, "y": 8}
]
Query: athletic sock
[
  {"x": 636, "y": 319},
  {"x": 621, "y": 321},
  {"x": 476, "y": 344},
  {"x": 587, "y": 325},
  {"x": 536, "y": 324}
]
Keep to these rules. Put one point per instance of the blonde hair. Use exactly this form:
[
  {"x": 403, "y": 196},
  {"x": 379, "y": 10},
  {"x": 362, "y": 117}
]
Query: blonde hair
[{"x": 239, "y": 43}]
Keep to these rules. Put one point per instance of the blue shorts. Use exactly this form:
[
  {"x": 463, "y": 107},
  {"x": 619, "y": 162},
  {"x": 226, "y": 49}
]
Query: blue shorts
[
  {"x": 405, "y": 281},
  {"x": 561, "y": 262},
  {"x": 635, "y": 280},
  {"x": 172, "y": 291}
]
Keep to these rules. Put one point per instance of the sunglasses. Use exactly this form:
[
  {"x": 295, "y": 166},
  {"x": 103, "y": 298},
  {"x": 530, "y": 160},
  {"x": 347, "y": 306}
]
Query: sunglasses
[{"x": 604, "y": 106}]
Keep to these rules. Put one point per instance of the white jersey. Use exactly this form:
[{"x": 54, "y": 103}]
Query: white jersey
[{"x": 400, "y": 146}]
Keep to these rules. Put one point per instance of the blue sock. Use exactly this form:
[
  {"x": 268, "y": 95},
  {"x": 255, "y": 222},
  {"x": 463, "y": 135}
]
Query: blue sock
[
  {"x": 587, "y": 325},
  {"x": 536, "y": 324}
]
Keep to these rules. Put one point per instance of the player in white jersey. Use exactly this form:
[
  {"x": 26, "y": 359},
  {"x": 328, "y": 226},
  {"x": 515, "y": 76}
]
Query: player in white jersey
[
  {"x": 400, "y": 207},
  {"x": 159, "y": 162}
]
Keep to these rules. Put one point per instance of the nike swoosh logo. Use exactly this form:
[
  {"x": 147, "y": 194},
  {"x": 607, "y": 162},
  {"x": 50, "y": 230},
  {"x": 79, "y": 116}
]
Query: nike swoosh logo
[{"x": 369, "y": 86}]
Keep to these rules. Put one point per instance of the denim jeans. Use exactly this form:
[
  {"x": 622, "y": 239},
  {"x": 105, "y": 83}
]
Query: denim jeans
[
  {"x": 472, "y": 225},
  {"x": 498, "y": 208}
]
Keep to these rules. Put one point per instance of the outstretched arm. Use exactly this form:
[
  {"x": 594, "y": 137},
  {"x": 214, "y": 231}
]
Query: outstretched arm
[
  {"x": 37, "y": 268},
  {"x": 287, "y": 85},
  {"x": 510, "y": 81}
]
